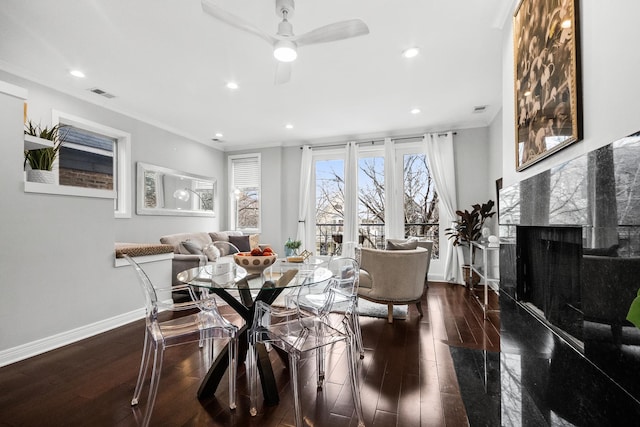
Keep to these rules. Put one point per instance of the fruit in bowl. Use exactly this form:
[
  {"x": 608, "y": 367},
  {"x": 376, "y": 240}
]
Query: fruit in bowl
[{"x": 256, "y": 260}]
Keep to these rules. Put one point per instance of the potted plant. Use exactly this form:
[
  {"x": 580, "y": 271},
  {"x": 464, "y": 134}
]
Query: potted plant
[
  {"x": 41, "y": 160},
  {"x": 468, "y": 228},
  {"x": 292, "y": 246}
]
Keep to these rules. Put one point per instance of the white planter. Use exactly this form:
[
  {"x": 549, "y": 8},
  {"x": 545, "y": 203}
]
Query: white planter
[{"x": 43, "y": 176}]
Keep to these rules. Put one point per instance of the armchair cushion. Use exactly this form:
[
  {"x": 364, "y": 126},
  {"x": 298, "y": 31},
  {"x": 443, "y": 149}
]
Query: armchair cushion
[{"x": 401, "y": 244}]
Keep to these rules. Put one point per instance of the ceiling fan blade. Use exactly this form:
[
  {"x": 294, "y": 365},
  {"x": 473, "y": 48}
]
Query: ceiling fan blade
[
  {"x": 332, "y": 32},
  {"x": 283, "y": 72},
  {"x": 235, "y": 21}
]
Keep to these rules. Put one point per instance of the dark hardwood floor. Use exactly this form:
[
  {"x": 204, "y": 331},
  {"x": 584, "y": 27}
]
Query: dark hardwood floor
[{"x": 407, "y": 377}]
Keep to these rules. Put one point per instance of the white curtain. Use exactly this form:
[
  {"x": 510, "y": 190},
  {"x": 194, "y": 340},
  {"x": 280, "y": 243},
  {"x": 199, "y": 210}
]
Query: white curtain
[
  {"x": 305, "y": 227},
  {"x": 439, "y": 150},
  {"x": 350, "y": 234},
  {"x": 394, "y": 200}
]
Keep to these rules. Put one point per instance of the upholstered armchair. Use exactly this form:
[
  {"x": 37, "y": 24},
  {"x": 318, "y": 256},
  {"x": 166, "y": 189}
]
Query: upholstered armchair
[{"x": 393, "y": 276}]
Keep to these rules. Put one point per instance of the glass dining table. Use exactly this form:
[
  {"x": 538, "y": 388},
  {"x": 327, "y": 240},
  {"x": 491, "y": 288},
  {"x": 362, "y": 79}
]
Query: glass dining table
[{"x": 241, "y": 290}]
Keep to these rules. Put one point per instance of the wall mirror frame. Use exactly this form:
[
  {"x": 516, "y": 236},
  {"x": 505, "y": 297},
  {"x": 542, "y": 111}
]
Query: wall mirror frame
[{"x": 164, "y": 191}]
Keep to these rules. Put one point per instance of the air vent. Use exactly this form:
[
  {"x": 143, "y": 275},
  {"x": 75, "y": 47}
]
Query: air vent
[
  {"x": 479, "y": 108},
  {"x": 101, "y": 92}
]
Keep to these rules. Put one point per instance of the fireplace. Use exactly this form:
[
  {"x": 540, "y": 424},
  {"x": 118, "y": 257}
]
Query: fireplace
[
  {"x": 570, "y": 254},
  {"x": 548, "y": 274}
]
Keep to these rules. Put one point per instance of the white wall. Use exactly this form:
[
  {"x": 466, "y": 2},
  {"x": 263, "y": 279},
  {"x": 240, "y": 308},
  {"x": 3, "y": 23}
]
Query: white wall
[
  {"x": 471, "y": 151},
  {"x": 610, "y": 86},
  {"x": 57, "y": 252}
]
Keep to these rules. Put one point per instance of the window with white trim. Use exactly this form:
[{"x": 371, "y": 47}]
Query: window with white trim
[
  {"x": 413, "y": 181},
  {"x": 245, "y": 198},
  {"x": 95, "y": 156}
]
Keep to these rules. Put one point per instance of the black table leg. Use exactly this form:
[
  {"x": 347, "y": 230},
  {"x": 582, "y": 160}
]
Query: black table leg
[{"x": 245, "y": 309}]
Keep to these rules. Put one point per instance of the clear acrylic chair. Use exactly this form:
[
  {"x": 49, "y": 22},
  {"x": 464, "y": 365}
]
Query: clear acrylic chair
[
  {"x": 297, "y": 333},
  {"x": 204, "y": 325},
  {"x": 346, "y": 271}
]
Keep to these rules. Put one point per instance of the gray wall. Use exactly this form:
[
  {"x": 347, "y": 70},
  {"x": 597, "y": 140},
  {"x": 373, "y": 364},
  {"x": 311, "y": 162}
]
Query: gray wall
[{"x": 56, "y": 262}]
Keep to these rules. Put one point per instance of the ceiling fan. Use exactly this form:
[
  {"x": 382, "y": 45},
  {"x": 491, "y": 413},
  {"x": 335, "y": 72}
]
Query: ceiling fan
[{"x": 285, "y": 43}]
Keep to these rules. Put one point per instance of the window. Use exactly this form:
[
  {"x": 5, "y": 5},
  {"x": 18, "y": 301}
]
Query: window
[
  {"x": 329, "y": 207},
  {"x": 421, "y": 203},
  {"x": 330, "y": 195},
  {"x": 371, "y": 198},
  {"x": 413, "y": 180},
  {"x": 94, "y": 156},
  {"x": 87, "y": 159},
  {"x": 245, "y": 203}
]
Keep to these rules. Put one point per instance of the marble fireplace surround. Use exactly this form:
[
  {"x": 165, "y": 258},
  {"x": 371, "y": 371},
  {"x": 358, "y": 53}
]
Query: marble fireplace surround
[{"x": 570, "y": 254}]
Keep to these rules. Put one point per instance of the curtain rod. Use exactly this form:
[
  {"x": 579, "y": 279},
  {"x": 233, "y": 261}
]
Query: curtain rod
[{"x": 373, "y": 141}]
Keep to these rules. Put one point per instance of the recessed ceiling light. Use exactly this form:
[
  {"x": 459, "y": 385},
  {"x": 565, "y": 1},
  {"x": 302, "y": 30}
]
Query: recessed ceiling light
[
  {"x": 219, "y": 135},
  {"x": 411, "y": 52},
  {"x": 415, "y": 111},
  {"x": 288, "y": 126},
  {"x": 232, "y": 85},
  {"x": 77, "y": 73}
]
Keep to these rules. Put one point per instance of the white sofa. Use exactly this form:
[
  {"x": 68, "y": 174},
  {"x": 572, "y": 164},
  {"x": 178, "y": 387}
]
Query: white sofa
[{"x": 187, "y": 247}]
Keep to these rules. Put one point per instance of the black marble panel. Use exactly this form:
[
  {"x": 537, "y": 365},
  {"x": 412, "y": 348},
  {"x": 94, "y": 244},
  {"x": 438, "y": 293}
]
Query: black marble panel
[
  {"x": 582, "y": 290},
  {"x": 537, "y": 379}
]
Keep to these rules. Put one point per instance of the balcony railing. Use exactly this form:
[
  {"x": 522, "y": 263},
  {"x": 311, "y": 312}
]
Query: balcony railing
[{"x": 329, "y": 236}]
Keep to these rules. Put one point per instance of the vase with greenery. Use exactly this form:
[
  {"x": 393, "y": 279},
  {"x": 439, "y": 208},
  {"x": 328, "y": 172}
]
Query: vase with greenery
[
  {"x": 292, "y": 246},
  {"x": 468, "y": 228},
  {"x": 42, "y": 159}
]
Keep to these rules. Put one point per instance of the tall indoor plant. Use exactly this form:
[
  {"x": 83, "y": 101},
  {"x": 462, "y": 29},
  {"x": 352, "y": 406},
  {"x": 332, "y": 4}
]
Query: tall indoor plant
[
  {"x": 41, "y": 160},
  {"x": 468, "y": 227}
]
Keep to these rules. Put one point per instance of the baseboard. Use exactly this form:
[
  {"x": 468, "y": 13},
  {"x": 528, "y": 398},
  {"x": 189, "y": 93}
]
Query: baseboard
[{"x": 43, "y": 345}]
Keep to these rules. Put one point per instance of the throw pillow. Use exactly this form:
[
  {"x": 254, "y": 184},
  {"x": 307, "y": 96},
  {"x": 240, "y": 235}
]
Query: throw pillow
[
  {"x": 241, "y": 242},
  {"x": 254, "y": 241},
  {"x": 212, "y": 252},
  {"x": 219, "y": 236},
  {"x": 401, "y": 245},
  {"x": 190, "y": 248}
]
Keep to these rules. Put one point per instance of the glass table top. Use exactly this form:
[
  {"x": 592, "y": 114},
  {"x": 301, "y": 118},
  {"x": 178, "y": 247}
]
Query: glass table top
[{"x": 226, "y": 274}]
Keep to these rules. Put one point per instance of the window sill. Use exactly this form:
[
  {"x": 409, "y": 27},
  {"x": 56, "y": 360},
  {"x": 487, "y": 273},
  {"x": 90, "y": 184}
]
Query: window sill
[{"x": 66, "y": 190}]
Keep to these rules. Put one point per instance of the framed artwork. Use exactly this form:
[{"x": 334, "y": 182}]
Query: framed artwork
[{"x": 548, "y": 110}]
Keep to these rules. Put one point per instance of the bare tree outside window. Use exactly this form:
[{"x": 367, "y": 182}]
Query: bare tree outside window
[
  {"x": 245, "y": 181},
  {"x": 248, "y": 209},
  {"x": 421, "y": 214}
]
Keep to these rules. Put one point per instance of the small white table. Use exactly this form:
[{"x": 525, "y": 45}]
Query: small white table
[{"x": 482, "y": 269}]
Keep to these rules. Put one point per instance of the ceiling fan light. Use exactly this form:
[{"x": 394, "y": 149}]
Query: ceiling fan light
[{"x": 285, "y": 51}]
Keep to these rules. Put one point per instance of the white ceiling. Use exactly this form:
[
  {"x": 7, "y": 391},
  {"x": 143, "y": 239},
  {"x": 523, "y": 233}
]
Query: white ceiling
[{"x": 167, "y": 63}]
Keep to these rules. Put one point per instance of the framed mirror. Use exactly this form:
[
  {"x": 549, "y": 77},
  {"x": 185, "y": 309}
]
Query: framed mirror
[{"x": 164, "y": 191}]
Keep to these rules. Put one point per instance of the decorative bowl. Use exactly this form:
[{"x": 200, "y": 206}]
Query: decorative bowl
[{"x": 254, "y": 263}]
